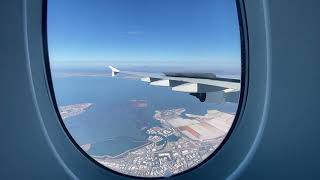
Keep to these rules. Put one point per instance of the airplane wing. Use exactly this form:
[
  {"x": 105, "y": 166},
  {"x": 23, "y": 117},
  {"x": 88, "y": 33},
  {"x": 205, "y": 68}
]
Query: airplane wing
[{"x": 207, "y": 87}]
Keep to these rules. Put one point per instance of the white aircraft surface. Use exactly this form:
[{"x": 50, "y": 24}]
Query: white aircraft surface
[{"x": 207, "y": 87}]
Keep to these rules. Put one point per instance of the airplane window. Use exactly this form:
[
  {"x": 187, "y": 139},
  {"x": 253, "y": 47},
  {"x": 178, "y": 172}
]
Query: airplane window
[{"x": 145, "y": 88}]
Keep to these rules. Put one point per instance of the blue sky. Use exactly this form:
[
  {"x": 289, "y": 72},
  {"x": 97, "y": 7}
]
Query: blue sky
[{"x": 148, "y": 32}]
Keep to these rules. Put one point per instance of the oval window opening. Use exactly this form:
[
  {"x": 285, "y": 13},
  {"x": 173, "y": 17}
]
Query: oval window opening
[{"x": 145, "y": 88}]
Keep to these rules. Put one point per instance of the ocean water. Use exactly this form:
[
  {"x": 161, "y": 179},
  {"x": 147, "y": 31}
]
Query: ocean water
[{"x": 116, "y": 123}]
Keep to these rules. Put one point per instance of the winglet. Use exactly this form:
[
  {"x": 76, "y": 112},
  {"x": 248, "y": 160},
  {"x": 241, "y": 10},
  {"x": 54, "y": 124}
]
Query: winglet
[{"x": 115, "y": 71}]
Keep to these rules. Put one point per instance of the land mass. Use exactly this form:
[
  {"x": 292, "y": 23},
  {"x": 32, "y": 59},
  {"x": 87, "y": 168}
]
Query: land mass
[
  {"x": 73, "y": 110},
  {"x": 181, "y": 143},
  {"x": 86, "y": 147}
]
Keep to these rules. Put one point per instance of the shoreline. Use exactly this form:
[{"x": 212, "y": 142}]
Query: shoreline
[{"x": 121, "y": 154}]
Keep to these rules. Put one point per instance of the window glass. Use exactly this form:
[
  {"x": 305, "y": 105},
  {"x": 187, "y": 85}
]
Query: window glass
[{"x": 147, "y": 88}]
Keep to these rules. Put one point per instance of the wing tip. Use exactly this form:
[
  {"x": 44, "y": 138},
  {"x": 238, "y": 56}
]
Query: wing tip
[{"x": 114, "y": 71}]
